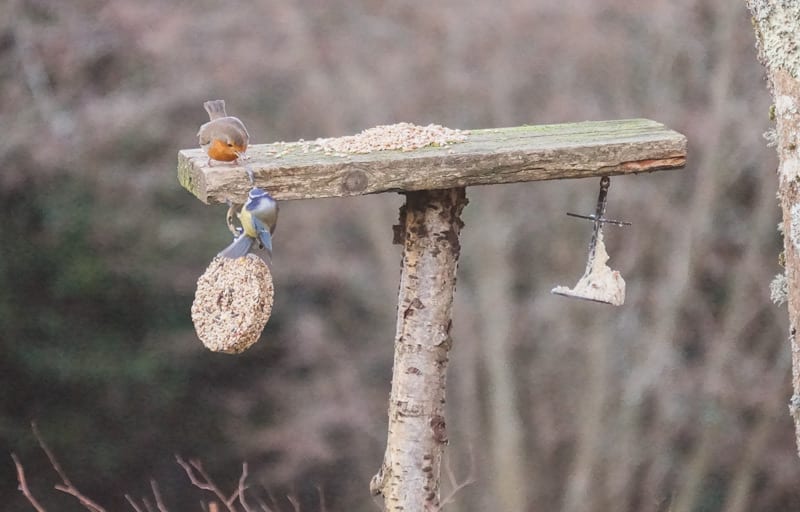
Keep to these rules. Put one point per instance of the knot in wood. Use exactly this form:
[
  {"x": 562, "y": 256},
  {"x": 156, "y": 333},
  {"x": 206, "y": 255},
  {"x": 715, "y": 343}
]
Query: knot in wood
[
  {"x": 354, "y": 182},
  {"x": 439, "y": 428}
]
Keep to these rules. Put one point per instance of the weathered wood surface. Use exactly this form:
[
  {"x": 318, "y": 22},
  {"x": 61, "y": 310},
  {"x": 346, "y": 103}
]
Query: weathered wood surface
[{"x": 489, "y": 156}]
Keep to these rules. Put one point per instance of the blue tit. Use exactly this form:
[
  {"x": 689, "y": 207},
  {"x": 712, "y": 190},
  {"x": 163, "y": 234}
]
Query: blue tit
[{"x": 258, "y": 218}]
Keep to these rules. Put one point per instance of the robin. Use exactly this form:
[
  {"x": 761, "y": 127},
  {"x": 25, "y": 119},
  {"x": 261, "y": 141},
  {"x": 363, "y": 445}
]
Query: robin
[{"x": 224, "y": 137}]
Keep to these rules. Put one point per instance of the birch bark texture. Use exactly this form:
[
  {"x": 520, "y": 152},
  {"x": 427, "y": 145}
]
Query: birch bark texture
[
  {"x": 777, "y": 28},
  {"x": 429, "y": 227}
]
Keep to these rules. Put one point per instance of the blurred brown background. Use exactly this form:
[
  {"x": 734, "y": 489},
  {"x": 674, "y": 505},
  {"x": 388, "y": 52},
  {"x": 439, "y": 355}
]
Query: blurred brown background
[{"x": 676, "y": 401}]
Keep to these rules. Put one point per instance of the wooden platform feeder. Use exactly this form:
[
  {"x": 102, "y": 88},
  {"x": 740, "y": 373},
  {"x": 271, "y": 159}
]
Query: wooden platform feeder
[{"x": 433, "y": 180}]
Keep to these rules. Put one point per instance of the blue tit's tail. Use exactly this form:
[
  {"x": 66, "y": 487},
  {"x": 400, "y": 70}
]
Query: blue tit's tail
[
  {"x": 264, "y": 236},
  {"x": 266, "y": 241},
  {"x": 239, "y": 248}
]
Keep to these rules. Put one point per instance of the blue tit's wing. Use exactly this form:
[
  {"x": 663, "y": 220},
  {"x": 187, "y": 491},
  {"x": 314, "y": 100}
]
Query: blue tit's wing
[
  {"x": 240, "y": 247},
  {"x": 263, "y": 235}
]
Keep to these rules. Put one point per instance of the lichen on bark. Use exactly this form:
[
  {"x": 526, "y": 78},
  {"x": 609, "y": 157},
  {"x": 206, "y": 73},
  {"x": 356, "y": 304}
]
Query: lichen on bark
[
  {"x": 777, "y": 29},
  {"x": 777, "y": 36}
]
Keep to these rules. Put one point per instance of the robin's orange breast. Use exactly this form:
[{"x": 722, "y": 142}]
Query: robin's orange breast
[{"x": 219, "y": 150}]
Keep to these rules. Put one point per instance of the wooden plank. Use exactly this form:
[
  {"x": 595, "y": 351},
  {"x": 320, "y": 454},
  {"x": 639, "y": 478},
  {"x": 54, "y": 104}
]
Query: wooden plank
[{"x": 488, "y": 156}]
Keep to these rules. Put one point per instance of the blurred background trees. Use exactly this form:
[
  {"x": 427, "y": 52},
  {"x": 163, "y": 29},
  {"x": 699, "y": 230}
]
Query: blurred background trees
[{"x": 677, "y": 401}]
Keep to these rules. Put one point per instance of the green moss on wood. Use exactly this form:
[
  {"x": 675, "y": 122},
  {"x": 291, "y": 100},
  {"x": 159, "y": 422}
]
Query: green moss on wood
[{"x": 488, "y": 156}]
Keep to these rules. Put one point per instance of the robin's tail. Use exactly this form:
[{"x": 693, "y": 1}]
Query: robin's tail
[{"x": 215, "y": 109}]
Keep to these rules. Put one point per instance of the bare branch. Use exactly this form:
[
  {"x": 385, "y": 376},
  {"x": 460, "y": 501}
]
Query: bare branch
[
  {"x": 148, "y": 506},
  {"x": 133, "y": 503},
  {"x": 322, "y": 507},
  {"x": 264, "y": 507},
  {"x": 157, "y": 496},
  {"x": 82, "y": 499},
  {"x": 67, "y": 486},
  {"x": 207, "y": 484},
  {"x": 23, "y": 485},
  {"x": 454, "y": 483},
  {"x": 243, "y": 487},
  {"x": 295, "y": 503}
]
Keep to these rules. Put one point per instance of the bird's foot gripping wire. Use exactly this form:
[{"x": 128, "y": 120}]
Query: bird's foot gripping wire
[
  {"x": 250, "y": 174},
  {"x": 233, "y": 208}
]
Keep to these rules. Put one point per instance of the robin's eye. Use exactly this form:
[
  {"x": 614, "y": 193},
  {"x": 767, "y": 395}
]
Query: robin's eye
[{"x": 230, "y": 145}]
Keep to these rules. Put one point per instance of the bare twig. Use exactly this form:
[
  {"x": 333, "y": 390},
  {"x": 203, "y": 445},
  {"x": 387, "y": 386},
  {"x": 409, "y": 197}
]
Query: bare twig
[
  {"x": 157, "y": 496},
  {"x": 264, "y": 507},
  {"x": 295, "y": 503},
  {"x": 243, "y": 487},
  {"x": 133, "y": 503},
  {"x": 148, "y": 506},
  {"x": 207, "y": 484},
  {"x": 454, "y": 483},
  {"x": 66, "y": 486},
  {"x": 194, "y": 470},
  {"x": 322, "y": 507},
  {"x": 23, "y": 485}
]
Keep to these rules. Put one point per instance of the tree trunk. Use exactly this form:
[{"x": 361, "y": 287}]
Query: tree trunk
[
  {"x": 429, "y": 227},
  {"x": 777, "y": 28}
]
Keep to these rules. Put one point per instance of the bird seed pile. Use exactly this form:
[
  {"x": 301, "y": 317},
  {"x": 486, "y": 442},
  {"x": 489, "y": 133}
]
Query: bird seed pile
[
  {"x": 232, "y": 303},
  {"x": 400, "y": 136},
  {"x": 390, "y": 137}
]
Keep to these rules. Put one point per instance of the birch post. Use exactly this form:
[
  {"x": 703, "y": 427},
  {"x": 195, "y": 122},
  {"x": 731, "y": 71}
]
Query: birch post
[
  {"x": 429, "y": 227},
  {"x": 433, "y": 180},
  {"x": 777, "y": 29}
]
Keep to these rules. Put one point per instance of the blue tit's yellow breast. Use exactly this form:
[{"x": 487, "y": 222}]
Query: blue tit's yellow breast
[{"x": 247, "y": 223}]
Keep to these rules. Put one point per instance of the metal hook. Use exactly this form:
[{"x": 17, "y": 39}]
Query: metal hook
[
  {"x": 599, "y": 283},
  {"x": 598, "y": 218},
  {"x": 250, "y": 174}
]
